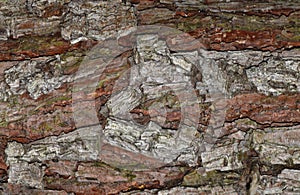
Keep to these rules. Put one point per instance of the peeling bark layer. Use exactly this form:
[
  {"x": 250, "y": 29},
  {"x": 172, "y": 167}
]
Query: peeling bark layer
[{"x": 204, "y": 101}]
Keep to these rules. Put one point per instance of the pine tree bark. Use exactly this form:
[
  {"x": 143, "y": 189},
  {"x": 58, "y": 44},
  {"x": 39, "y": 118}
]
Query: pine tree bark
[{"x": 216, "y": 110}]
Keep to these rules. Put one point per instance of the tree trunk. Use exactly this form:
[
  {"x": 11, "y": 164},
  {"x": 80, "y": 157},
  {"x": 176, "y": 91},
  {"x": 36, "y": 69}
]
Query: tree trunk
[{"x": 150, "y": 97}]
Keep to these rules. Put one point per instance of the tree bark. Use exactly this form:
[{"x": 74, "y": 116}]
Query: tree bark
[{"x": 150, "y": 97}]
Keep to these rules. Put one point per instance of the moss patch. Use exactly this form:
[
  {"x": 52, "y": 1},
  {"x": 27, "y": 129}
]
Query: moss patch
[
  {"x": 231, "y": 21},
  {"x": 124, "y": 172},
  {"x": 128, "y": 174},
  {"x": 212, "y": 178}
]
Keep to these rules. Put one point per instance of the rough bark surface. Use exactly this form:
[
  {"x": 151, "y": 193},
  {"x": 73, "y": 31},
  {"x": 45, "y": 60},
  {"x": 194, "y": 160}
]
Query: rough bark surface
[{"x": 206, "y": 100}]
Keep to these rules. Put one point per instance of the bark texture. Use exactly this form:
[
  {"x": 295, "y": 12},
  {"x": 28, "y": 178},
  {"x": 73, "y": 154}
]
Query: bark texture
[{"x": 197, "y": 97}]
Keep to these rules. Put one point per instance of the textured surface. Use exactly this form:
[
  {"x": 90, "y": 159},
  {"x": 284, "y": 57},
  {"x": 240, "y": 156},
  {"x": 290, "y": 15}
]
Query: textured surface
[{"x": 94, "y": 100}]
